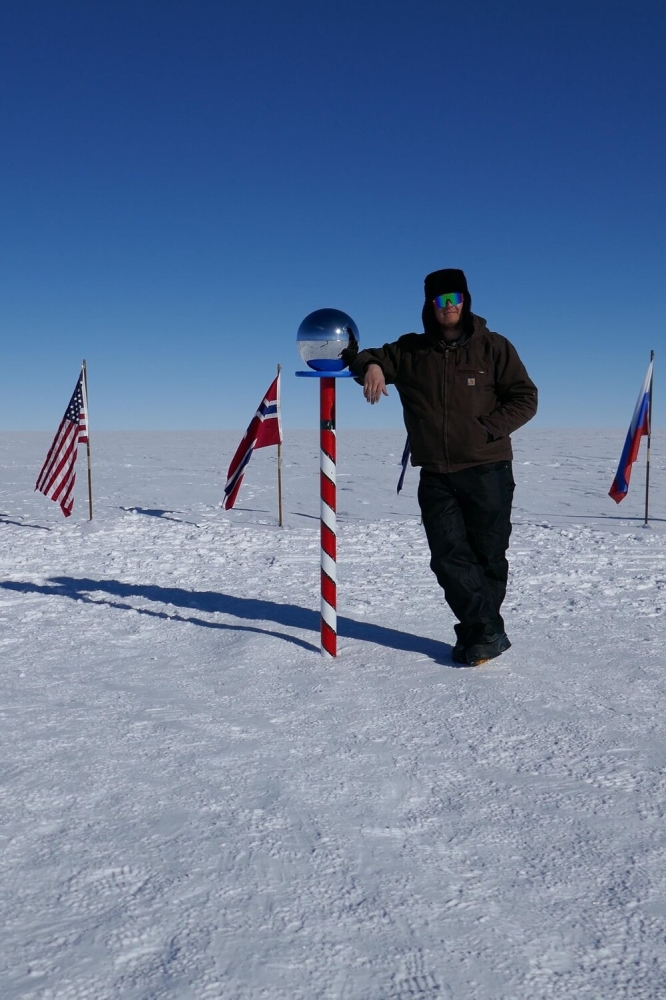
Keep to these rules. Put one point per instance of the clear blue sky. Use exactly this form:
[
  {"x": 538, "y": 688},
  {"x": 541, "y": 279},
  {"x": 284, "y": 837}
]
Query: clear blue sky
[{"x": 182, "y": 182}]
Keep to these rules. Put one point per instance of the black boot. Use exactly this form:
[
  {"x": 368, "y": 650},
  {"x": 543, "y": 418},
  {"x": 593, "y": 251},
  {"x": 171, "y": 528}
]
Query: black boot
[
  {"x": 459, "y": 652},
  {"x": 487, "y": 649}
]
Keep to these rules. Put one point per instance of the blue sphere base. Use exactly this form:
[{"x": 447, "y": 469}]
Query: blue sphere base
[{"x": 314, "y": 374}]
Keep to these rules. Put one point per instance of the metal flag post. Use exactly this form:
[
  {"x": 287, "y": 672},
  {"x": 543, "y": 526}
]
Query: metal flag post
[
  {"x": 322, "y": 336},
  {"x": 84, "y": 368},
  {"x": 649, "y": 438},
  {"x": 279, "y": 462}
]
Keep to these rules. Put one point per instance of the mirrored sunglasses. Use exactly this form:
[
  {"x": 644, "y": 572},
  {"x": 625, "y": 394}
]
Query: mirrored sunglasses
[{"x": 450, "y": 298}]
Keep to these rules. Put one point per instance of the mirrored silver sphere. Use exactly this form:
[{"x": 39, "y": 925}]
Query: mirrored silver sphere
[{"x": 323, "y": 335}]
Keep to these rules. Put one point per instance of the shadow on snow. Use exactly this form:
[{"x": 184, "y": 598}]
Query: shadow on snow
[
  {"x": 6, "y": 519},
  {"x": 153, "y": 512},
  {"x": 250, "y": 609}
]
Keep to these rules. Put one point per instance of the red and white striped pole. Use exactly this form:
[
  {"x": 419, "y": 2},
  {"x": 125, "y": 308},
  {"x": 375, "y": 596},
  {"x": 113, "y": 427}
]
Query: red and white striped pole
[
  {"x": 322, "y": 338},
  {"x": 329, "y": 570}
]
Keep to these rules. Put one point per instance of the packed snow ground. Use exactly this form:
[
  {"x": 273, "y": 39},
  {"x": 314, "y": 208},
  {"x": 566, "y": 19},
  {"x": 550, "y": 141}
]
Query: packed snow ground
[{"x": 196, "y": 805}]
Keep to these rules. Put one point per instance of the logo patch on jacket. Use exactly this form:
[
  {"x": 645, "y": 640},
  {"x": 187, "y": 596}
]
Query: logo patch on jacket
[{"x": 471, "y": 381}]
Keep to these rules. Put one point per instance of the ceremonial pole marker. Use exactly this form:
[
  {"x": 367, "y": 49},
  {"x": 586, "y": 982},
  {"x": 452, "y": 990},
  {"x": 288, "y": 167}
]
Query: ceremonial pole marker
[
  {"x": 329, "y": 568},
  {"x": 322, "y": 336}
]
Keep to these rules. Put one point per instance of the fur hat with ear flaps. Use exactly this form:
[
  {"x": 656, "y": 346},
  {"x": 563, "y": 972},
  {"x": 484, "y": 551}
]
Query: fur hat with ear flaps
[{"x": 449, "y": 279}]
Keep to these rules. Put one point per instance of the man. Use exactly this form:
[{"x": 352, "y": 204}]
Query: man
[{"x": 463, "y": 391}]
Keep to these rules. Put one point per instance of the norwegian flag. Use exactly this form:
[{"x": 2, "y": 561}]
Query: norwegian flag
[
  {"x": 58, "y": 475},
  {"x": 265, "y": 429}
]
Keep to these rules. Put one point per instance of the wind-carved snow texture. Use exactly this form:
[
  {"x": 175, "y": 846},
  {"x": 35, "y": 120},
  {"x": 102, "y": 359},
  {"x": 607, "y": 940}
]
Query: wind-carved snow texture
[{"x": 196, "y": 805}]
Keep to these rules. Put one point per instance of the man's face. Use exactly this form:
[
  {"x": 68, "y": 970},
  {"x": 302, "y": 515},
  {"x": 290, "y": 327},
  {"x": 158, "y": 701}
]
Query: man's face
[{"x": 448, "y": 308}]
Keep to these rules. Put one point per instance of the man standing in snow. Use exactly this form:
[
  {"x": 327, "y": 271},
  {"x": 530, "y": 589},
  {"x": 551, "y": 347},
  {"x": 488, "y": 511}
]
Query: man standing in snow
[{"x": 463, "y": 391}]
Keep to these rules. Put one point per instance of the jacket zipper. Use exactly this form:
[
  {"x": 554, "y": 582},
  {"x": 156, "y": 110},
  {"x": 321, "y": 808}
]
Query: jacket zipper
[{"x": 446, "y": 408}]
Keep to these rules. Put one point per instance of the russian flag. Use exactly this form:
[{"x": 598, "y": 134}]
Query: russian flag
[
  {"x": 639, "y": 427},
  {"x": 265, "y": 429}
]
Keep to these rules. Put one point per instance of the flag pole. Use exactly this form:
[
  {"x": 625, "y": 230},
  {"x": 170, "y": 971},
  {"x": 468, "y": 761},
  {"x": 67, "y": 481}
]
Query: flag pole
[
  {"x": 85, "y": 389},
  {"x": 279, "y": 369},
  {"x": 649, "y": 437}
]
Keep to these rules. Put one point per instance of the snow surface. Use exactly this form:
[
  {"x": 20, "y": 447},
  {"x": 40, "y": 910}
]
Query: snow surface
[{"x": 196, "y": 805}]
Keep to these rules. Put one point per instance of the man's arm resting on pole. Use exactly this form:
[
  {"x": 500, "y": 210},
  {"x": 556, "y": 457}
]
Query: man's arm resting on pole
[
  {"x": 375, "y": 367},
  {"x": 374, "y": 383}
]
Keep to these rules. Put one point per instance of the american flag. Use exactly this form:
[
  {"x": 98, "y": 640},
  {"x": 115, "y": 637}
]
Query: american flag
[
  {"x": 265, "y": 429},
  {"x": 56, "y": 480}
]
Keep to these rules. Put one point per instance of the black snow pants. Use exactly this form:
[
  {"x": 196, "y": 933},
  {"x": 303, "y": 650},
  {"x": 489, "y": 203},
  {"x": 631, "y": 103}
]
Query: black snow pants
[{"x": 467, "y": 520}]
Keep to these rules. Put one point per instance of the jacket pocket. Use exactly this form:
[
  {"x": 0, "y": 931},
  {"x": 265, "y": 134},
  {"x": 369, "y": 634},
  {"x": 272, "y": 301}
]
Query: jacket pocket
[
  {"x": 478, "y": 433},
  {"x": 468, "y": 441},
  {"x": 475, "y": 391}
]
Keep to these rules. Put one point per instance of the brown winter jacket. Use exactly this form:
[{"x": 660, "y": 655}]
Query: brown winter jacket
[{"x": 460, "y": 403}]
